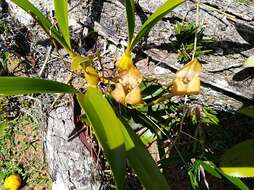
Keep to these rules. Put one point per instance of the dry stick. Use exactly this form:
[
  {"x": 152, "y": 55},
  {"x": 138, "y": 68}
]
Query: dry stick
[{"x": 46, "y": 60}]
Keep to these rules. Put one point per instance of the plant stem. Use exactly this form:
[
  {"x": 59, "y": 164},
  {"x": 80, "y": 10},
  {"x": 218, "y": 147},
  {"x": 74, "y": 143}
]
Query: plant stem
[{"x": 196, "y": 31}]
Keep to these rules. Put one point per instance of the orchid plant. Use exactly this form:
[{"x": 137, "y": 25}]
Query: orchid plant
[{"x": 118, "y": 140}]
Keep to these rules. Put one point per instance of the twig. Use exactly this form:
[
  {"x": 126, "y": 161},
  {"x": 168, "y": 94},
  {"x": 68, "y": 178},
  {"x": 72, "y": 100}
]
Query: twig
[{"x": 46, "y": 60}]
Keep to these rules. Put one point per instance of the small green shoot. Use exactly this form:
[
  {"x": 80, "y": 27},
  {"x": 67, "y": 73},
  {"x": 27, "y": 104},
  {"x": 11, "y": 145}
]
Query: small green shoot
[{"x": 185, "y": 35}]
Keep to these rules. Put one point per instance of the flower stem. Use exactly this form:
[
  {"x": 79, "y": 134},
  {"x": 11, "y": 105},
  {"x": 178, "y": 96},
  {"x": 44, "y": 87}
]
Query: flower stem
[{"x": 196, "y": 31}]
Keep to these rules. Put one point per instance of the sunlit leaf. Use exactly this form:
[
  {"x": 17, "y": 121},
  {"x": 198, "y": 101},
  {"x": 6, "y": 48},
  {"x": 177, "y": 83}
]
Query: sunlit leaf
[
  {"x": 24, "y": 85},
  {"x": 249, "y": 62},
  {"x": 163, "y": 10},
  {"x": 107, "y": 130},
  {"x": 238, "y": 161},
  {"x": 148, "y": 137},
  {"x": 61, "y": 12},
  {"x": 234, "y": 180},
  {"x": 130, "y": 11},
  {"x": 43, "y": 21}
]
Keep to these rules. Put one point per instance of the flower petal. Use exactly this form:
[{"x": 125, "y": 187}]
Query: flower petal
[
  {"x": 134, "y": 97},
  {"x": 190, "y": 70},
  {"x": 130, "y": 78},
  {"x": 118, "y": 93},
  {"x": 193, "y": 88},
  {"x": 187, "y": 80},
  {"x": 125, "y": 62}
]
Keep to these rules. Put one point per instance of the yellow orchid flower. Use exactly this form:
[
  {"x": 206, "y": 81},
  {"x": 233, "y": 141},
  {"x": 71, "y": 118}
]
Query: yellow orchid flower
[
  {"x": 78, "y": 62},
  {"x": 127, "y": 90},
  {"x": 81, "y": 64},
  {"x": 125, "y": 62},
  {"x": 187, "y": 81}
]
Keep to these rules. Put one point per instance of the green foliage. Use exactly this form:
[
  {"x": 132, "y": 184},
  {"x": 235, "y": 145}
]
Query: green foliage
[
  {"x": 247, "y": 110},
  {"x": 183, "y": 125},
  {"x": 163, "y": 10},
  {"x": 119, "y": 142},
  {"x": 61, "y": 11},
  {"x": 130, "y": 12},
  {"x": 185, "y": 35},
  {"x": 45, "y": 23},
  {"x": 238, "y": 161},
  {"x": 209, "y": 167},
  {"x": 19, "y": 142},
  {"x": 23, "y": 85},
  {"x": 142, "y": 162},
  {"x": 107, "y": 130},
  {"x": 245, "y": 2},
  {"x": 3, "y": 63}
]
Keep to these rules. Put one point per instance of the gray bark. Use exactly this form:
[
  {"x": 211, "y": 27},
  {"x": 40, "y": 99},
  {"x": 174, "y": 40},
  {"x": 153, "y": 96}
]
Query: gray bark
[{"x": 70, "y": 163}]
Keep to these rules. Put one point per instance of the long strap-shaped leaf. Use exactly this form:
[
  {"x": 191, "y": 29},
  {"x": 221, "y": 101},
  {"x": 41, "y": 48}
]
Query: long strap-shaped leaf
[
  {"x": 61, "y": 11},
  {"x": 142, "y": 162},
  {"x": 154, "y": 18},
  {"x": 24, "y": 85},
  {"x": 43, "y": 21},
  {"x": 130, "y": 12},
  {"x": 107, "y": 130}
]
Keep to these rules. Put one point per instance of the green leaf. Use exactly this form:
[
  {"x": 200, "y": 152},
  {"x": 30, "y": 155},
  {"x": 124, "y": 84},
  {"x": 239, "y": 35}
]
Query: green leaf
[
  {"x": 5, "y": 57},
  {"x": 107, "y": 130},
  {"x": 238, "y": 161},
  {"x": 24, "y": 85},
  {"x": 148, "y": 137},
  {"x": 43, "y": 21},
  {"x": 152, "y": 91},
  {"x": 249, "y": 62},
  {"x": 163, "y": 10},
  {"x": 61, "y": 11},
  {"x": 247, "y": 110},
  {"x": 130, "y": 12},
  {"x": 236, "y": 181},
  {"x": 142, "y": 162},
  {"x": 209, "y": 167},
  {"x": 3, "y": 127}
]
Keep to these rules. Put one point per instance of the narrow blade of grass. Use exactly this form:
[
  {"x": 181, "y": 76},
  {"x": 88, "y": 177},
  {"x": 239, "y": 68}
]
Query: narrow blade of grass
[
  {"x": 163, "y": 10},
  {"x": 23, "y": 85},
  {"x": 43, "y": 21},
  {"x": 107, "y": 130},
  {"x": 61, "y": 11},
  {"x": 130, "y": 12}
]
